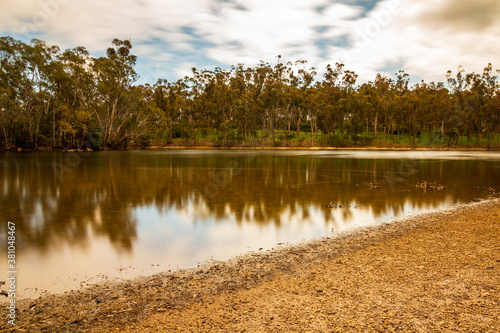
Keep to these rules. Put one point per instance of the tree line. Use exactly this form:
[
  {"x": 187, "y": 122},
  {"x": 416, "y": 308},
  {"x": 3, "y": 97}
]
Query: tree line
[{"x": 55, "y": 99}]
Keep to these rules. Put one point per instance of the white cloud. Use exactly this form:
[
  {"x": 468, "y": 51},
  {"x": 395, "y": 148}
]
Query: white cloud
[
  {"x": 406, "y": 38},
  {"x": 425, "y": 37},
  {"x": 340, "y": 12},
  {"x": 432, "y": 48},
  {"x": 184, "y": 69}
]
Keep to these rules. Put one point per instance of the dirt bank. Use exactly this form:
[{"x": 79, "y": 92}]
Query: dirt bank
[
  {"x": 382, "y": 148},
  {"x": 434, "y": 272},
  {"x": 211, "y": 147}
]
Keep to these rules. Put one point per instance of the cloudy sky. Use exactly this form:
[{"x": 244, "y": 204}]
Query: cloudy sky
[{"x": 423, "y": 37}]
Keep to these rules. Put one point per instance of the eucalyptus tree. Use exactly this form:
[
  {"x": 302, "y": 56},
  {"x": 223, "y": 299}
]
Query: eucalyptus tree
[
  {"x": 242, "y": 105},
  {"x": 170, "y": 97},
  {"x": 24, "y": 71},
  {"x": 222, "y": 100},
  {"x": 9, "y": 75},
  {"x": 144, "y": 118},
  {"x": 53, "y": 98},
  {"x": 441, "y": 104},
  {"x": 368, "y": 96},
  {"x": 74, "y": 92},
  {"x": 384, "y": 92},
  {"x": 459, "y": 114},
  {"x": 352, "y": 103},
  {"x": 114, "y": 75},
  {"x": 482, "y": 89},
  {"x": 16, "y": 87},
  {"x": 300, "y": 81},
  {"x": 273, "y": 82},
  {"x": 333, "y": 105},
  {"x": 44, "y": 66},
  {"x": 401, "y": 103},
  {"x": 428, "y": 101},
  {"x": 257, "y": 78}
]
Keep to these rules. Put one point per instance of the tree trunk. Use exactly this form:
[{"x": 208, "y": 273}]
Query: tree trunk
[
  {"x": 5, "y": 136},
  {"x": 391, "y": 130},
  {"x": 169, "y": 126},
  {"x": 312, "y": 132}
]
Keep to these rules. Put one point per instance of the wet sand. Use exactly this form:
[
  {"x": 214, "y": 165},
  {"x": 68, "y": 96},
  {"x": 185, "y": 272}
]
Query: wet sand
[{"x": 432, "y": 272}]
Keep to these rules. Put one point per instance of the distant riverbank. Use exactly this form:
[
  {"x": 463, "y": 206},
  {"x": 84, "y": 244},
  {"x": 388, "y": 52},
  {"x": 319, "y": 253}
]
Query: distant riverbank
[
  {"x": 195, "y": 146},
  {"x": 326, "y": 148}
]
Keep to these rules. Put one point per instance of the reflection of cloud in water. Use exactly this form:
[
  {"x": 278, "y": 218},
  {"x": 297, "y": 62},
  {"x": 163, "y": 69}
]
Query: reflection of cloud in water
[
  {"x": 413, "y": 154},
  {"x": 181, "y": 238}
]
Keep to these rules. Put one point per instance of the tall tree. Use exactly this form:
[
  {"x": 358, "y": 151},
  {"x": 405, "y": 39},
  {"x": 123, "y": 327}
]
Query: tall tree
[{"x": 115, "y": 75}]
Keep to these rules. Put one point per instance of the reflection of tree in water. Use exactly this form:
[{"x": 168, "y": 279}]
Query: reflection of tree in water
[
  {"x": 100, "y": 194},
  {"x": 271, "y": 185},
  {"x": 49, "y": 212}
]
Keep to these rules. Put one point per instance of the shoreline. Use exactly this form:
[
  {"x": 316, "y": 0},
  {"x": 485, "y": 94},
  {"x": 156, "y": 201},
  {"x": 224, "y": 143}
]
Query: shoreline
[
  {"x": 321, "y": 148},
  {"x": 206, "y": 147},
  {"x": 197, "y": 299}
]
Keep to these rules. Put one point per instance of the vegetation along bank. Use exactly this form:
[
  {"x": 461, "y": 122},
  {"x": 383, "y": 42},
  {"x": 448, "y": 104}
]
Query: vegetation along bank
[{"x": 53, "y": 99}]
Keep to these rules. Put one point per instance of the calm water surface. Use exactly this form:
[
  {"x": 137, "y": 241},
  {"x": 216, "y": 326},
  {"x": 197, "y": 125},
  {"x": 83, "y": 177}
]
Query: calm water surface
[{"x": 89, "y": 217}]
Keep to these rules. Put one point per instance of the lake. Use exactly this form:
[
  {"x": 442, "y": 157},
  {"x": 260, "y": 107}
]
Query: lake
[{"x": 88, "y": 217}]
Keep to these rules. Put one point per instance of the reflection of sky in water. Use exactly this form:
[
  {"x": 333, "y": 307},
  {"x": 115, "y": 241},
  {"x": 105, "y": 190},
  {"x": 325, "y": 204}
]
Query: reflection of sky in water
[
  {"x": 126, "y": 214},
  {"x": 181, "y": 238}
]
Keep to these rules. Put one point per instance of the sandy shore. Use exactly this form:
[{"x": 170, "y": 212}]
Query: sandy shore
[{"x": 433, "y": 272}]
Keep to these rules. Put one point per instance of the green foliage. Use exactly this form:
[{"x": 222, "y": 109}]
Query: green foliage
[
  {"x": 61, "y": 99},
  {"x": 22, "y": 140},
  {"x": 177, "y": 131},
  {"x": 165, "y": 136},
  {"x": 336, "y": 140},
  {"x": 144, "y": 141},
  {"x": 305, "y": 127},
  {"x": 355, "y": 138},
  {"x": 94, "y": 139},
  {"x": 277, "y": 143}
]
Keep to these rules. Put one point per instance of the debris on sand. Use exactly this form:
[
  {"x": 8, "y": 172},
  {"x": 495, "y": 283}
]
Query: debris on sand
[{"x": 491, "y": 191}]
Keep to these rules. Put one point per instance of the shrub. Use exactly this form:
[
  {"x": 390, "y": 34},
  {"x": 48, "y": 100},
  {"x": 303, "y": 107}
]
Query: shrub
[
  {"x": 337, "y": 141},
  {"x": 355, "y": 138},
  {"x": 366, "y": 141},
  {"x": 94, "y": 139}
]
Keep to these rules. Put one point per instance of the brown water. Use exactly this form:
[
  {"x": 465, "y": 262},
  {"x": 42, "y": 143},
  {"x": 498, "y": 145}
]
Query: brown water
[{"x": 89, "y": 217}]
